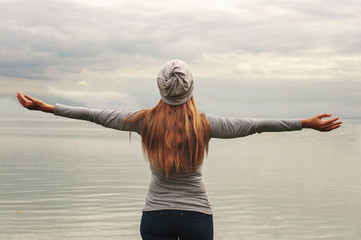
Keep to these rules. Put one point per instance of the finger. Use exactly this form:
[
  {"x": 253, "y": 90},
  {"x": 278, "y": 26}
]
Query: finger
[
  {"x": 19, "y": 95},
  {"x": 324, "y": 115},
  {"x": 21, "y": 99},
  {"x": 339, "y": 123},
  {"x": 335, "y": 123},
  {"x": 330, "y": 121},
  {"x": 30, "y": 98},
  {"x": 333, "y": 126}
]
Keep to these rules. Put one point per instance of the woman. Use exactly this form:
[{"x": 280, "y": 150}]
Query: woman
[{"x": 175, "y": 138}]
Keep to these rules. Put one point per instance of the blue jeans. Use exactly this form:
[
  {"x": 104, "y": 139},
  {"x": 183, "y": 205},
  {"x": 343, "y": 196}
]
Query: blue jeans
[{"x": 175, "y": 224}]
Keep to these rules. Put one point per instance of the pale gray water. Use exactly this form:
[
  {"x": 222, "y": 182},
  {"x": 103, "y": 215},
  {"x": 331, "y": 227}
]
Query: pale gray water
[{"x": 76, "y": 180}]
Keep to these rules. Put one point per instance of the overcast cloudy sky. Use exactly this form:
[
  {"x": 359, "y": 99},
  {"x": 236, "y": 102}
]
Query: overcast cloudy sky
[{"x": 252, "y": 58}]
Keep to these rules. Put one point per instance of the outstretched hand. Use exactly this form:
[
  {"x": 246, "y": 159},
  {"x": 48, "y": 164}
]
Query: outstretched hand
[
  {"x": 34, "y": 104},
  {"x": 319, "y": 124}
]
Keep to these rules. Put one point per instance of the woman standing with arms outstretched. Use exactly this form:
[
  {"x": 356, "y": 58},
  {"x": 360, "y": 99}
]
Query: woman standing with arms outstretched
[{"x": 175, "y": 138}]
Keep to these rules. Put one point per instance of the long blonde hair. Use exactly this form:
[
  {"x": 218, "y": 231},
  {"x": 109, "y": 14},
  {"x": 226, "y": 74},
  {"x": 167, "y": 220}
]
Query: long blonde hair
[{"x": 174, "y": 138}]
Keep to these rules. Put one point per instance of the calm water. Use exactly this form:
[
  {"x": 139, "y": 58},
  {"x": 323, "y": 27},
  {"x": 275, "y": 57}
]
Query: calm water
[{"x": 75, "y": 180}]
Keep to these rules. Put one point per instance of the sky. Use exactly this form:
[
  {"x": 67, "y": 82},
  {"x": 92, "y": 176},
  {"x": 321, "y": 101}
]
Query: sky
[{"x": 249, "y": 58}]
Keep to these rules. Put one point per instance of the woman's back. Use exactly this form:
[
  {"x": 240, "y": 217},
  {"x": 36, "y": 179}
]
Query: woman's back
[{"x": 180, "y": 191}]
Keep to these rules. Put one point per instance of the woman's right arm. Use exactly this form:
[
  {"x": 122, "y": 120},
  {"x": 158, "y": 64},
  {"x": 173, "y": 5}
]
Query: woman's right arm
[
  {"x": 317, "y": 123},
  {"x": 226, "y": 127}
]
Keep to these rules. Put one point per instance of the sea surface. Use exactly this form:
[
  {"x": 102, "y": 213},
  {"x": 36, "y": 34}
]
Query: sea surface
[{"x": 68, "y": 179}]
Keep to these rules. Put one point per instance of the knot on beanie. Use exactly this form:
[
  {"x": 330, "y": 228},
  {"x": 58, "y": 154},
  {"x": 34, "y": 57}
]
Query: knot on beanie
[{"x": 175, "y": 82}]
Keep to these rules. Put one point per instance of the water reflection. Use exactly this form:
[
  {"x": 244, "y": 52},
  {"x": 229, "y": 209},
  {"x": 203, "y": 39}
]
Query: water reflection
[{"x": 80, "y": 181}]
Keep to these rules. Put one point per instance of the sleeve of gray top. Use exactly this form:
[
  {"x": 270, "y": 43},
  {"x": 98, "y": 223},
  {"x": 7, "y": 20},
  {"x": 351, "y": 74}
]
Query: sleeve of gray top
[
  {"x": 115, "y": 119},
  {"x": 225, "y": 127}
]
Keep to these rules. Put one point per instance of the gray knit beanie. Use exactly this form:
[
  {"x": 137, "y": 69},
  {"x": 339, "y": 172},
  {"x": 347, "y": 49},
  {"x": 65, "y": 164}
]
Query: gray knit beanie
[{"x": 175, "y": 82}]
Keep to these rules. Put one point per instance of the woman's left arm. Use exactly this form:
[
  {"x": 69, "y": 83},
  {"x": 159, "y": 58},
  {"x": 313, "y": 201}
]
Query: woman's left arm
[
  {"x": 34, "y": 104},
  {"x": 116, "y": 119}
]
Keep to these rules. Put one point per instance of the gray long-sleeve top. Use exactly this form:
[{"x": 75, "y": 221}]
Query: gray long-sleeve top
[{"x": 182, "y": 191}]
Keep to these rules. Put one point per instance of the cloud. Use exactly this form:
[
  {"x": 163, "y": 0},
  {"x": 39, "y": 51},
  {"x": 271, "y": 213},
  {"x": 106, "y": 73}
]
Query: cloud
[
  {"x": 114, "y": 49},
  {"x": 83, "y": 83}
]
